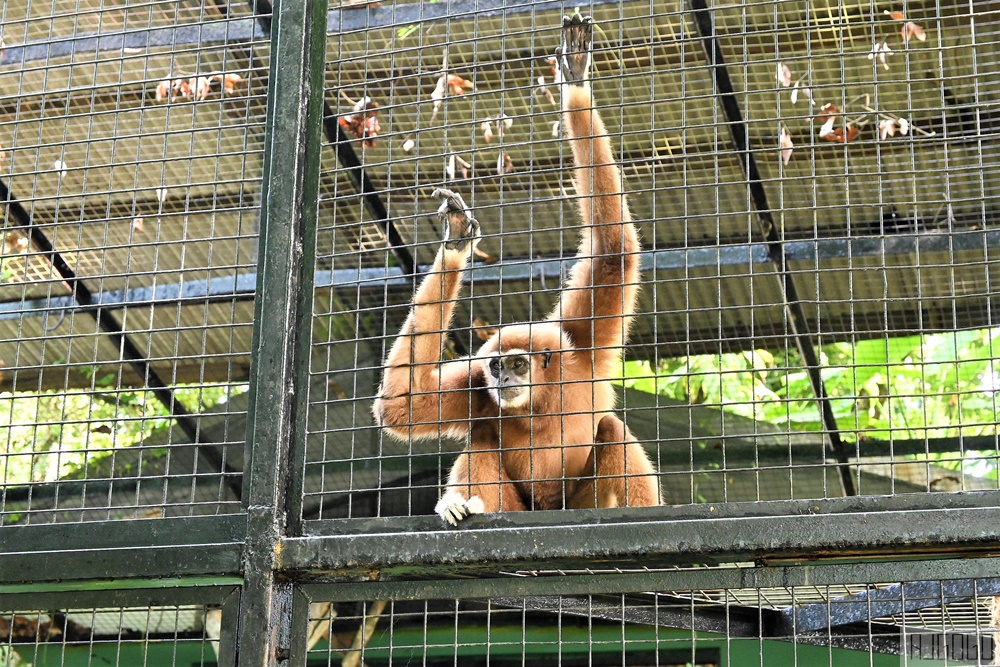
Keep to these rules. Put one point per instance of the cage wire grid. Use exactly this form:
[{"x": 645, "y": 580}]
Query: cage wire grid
[
  {"x": 134, "y": 143},
  {"x": 873, "y": 624},
  {"x": 184, "y": 627},
  {"x": 869, "y": 193},
  {"x": 132, "y": 138}
]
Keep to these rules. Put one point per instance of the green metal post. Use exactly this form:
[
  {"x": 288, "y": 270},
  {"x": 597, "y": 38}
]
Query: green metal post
[{"x": 292, "y": 146}]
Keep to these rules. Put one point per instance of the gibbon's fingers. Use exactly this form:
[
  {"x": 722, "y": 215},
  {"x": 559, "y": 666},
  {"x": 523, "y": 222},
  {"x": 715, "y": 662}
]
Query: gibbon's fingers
[
  {"x": 460, "y": 228},
  {"x": 575, "y": 53},
  {"x": 453, "y": 507}
]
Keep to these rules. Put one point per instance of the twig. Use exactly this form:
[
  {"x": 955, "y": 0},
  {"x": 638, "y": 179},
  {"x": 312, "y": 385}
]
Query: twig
[{"x": 352, "y": 656}]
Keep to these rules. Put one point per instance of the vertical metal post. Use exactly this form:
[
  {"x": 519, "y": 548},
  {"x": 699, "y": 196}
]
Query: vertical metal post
[{"x": 286, "y": 266}]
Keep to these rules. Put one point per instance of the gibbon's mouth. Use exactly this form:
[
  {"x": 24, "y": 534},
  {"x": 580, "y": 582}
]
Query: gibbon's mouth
[{"x": 512, "y": 396}]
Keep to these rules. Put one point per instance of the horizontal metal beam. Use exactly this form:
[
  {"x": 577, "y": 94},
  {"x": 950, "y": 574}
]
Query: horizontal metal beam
[
  {"x": 152, "y": 548},
  {"x": 241, "y": 286},
  {"x": 599, "y": 581},
  {"x": 779, "y": 531},
  {"x": 231, "y": 31},
  {"x": 163, "y": 592}
]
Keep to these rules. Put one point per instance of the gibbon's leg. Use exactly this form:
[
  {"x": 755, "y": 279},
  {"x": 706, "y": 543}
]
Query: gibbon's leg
[
  {"x": 623, "y": 474},
  {"x": 419, "y": 396},
  {"x": 478, "y": 484},
  {"x": 601, "y": 290}
]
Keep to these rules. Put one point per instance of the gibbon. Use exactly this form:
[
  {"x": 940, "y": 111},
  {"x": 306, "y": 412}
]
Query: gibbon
[{"x": 535, "y": 403}]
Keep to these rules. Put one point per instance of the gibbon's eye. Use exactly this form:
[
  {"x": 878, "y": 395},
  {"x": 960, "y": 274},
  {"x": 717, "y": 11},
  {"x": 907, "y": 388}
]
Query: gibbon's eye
[
  {"x": 518, "y": 363},
  {"x": 495, "y": 367}
]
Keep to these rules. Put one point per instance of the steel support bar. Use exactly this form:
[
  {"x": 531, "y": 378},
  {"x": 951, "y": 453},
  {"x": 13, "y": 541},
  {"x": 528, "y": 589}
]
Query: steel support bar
[
  {"x": 174, "y": 547},
  {"x": 885, "y": 602},
  {"x": 734, "y": 259},
  {"x": 603, "y": 582},
  {"x": 225, "y": 31},
  {"x": 281, "y": 337},
  {"x": 780, "y": 531},
  {"x": 114, "y": 330},
  {"x": 793, "y": 304}
]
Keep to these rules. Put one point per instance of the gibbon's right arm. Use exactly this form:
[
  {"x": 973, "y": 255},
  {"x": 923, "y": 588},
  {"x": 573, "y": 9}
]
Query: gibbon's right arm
[
  {"x": 600, "y": 293},
  {"x": 421, "y": 397}
]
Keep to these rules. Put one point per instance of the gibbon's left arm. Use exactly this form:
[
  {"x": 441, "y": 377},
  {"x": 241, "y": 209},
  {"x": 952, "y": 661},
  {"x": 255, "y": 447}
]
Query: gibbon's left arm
[{"x": 602, "y": 287}]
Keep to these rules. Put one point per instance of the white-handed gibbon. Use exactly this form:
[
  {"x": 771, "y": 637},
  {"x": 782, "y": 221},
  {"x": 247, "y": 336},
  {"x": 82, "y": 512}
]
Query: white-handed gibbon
[{"x": 535, "y": 403}]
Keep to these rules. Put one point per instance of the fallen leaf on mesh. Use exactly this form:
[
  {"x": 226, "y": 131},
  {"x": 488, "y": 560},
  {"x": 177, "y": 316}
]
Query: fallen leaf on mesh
[
  {"x": 437, "y": 95},
  {"x": 886, "y": 128},
  {"x": 784, "y": 75},
  {"x": 408, "y": 145},
  {"x": 229, "y": 82},
  {"x": 895, "y": 15},
  {"x": 904, "y": 126},
  {"x": 555, "y": 129},
  {"x": 785, "y": 141},
  {"x": 880, "y": 50},
  {"x": 163, "y": 90},
  {"x": 911, "y": 29},
  {"x": 446, "y": 83},
  {"x": 60, "y": 167},
  {"x": 15, "y": 244},
  {"x": 843, "y": 135},
  {"x": 828, "y": 110},
  {"x": 202, "y": 87},
  {"x": 137, "y": 224},
  {"x": 553, "y": 65},
  {"x": 504, "y": 164},
  {"x": 457, "y": 85},
  {"x": 161, "y": 194},
  {"x": 544, "y": 91},
  {"x": 363, "y": 122},
  {"x": 828, "y": 114},
  {"x": 454, "y": 166},
  {"x": 827, "y": 128},
  {"x": 487, "y": 127}
]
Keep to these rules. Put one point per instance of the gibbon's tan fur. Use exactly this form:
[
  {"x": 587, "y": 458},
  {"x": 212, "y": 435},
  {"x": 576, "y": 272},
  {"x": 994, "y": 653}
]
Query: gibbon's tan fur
[{"x": 554, "y": 441}]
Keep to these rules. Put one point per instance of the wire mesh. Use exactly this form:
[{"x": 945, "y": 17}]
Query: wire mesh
[
  {"x": 131, "y": 136},
  {"x": 874, "y": 624},
  {"x": 175, "y": 635},
  {"x": 849, "y": 253}
]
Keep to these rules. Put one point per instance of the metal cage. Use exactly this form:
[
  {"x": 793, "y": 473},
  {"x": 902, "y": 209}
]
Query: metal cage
[{"x": 216, "y": 217}]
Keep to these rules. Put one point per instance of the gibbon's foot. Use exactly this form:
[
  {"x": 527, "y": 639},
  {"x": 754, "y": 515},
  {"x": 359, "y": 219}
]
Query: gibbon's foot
[
  {"x": 453, "y": 507},
  {"x": 460, "y": 228},
  {"x": 575, "y": 53}
]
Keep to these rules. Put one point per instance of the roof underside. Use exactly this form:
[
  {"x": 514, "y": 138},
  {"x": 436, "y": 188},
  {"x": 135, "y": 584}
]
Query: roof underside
[{"x": 153, "y": 203}]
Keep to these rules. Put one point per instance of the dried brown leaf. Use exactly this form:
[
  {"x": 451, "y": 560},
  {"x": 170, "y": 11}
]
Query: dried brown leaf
[
  {"x": 787, "y": 146},
  {"x": 911, "y": 29},
  {"x": 784, "y": 75}
]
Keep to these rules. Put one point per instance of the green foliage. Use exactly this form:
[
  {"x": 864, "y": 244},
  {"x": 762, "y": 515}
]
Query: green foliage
[
  {"x": 939, "y": 385},
  {"x": 52, "y": 434}
]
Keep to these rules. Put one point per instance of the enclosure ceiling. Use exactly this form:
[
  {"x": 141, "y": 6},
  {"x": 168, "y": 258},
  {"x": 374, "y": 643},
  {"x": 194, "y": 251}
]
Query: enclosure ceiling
[{"x": 90, "y": 152}]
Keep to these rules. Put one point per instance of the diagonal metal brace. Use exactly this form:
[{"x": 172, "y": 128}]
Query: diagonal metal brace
[
  {"x": 113, "y": 329},
  {"x": 775, "y": 247}
]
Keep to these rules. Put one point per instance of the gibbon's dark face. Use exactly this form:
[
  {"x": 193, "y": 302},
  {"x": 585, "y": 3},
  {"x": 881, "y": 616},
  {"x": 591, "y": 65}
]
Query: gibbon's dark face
[{"x": 508, "y": 378}]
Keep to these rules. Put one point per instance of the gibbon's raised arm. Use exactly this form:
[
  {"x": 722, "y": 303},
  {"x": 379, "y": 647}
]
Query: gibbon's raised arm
[
  {"x": 601, "y": 290},
  {"x": 421, "y": 397}
]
